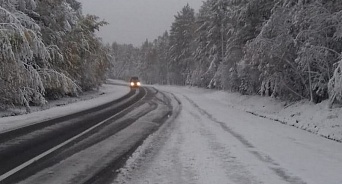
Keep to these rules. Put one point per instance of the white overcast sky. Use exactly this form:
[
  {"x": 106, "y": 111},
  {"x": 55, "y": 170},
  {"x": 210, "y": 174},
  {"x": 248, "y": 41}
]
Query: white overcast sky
[{"x": 134, "y": 21}]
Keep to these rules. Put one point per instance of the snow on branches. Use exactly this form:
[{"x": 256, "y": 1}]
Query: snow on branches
[
  {"x": 335, "y": 85},
  {"x": 24, "y": 57},
  {"x": 20, "y": 45}
]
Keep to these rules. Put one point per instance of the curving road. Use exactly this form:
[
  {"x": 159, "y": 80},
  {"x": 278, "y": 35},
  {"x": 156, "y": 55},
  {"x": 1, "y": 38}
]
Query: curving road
[
  {"x": 198, "y": 137},
  {"x": 32, "y": 152}
]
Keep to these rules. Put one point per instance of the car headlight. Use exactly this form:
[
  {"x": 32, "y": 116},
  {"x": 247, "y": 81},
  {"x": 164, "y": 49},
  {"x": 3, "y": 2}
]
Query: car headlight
[
  {"x": 132, "y": 83},
  {"x": 138, "y": 83}
]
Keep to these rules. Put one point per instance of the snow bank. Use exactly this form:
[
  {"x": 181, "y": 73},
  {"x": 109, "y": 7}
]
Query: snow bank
[{"x": 315, "y": 118}]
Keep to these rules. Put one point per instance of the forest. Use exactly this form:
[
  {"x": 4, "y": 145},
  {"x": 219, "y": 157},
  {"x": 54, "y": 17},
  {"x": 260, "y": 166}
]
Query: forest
[{"x": 286, "y": 49}]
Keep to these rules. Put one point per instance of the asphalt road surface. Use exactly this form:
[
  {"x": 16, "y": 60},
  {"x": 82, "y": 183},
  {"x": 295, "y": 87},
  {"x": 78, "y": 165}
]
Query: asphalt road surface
[{"x": 30, "y": 154}]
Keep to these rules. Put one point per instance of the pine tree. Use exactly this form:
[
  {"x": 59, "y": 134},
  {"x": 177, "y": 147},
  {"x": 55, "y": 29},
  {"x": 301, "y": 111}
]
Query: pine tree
[
  {"x": 181, "y": 46},
  {"x": 162, "y": 47}
]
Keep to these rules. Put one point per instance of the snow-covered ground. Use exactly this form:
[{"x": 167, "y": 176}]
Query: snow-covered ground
[
  {"x": 314, "y": 118},
  {"x": 215, "y": 141},
  {"x": 219, "y": 137}
]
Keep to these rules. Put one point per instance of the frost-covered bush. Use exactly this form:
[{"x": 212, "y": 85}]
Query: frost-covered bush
[{"x": 335, "y": 85}]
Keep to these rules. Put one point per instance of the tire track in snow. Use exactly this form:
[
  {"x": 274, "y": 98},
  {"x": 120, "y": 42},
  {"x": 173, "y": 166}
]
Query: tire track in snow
[
  {"x": 222, "y": 124},
  {"x": 139, "y": 169},
  {"x": 236, "y": 171},
  {"x": 281, "y": 172}
]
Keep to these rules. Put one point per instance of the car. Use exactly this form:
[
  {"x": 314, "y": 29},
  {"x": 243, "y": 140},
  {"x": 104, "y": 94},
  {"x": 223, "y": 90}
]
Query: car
[{"x": 134, "y": 82}]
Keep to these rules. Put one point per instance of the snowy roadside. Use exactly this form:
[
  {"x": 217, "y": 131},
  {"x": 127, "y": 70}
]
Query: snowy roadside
[
  {"x": 314, "y": 118},
  {"x": 106, "y": 93},
  {"x": 214, "y": 140}
]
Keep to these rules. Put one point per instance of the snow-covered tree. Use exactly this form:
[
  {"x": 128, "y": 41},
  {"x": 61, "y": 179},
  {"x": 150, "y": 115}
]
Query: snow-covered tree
[
  {"x": 335, "y": 82},
  {"x": 162, "y": 47},
  {"x": 21, "y": 46},
  {"x": 211, "y": 35},
  {"x": 273, "y": 52},
  {"x": 296, "y": 49},
  {"x": 318, "y": 47},
  {"x": 70, "y": 36},
  {"x": 32, "y": 39},
  {"x": 335, "y": 86},
  {"x": 87, "y": 59},
  {"x": 126, "y": 61},
  {"x": 246, "y": 19},
  {"x": 181, "y": 46}
]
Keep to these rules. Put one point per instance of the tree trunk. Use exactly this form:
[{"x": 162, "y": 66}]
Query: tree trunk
[{"x": 310, "y": 83}]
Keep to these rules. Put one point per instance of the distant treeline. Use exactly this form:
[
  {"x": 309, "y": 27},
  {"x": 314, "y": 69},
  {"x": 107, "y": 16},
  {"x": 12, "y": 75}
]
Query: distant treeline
[{"x": 288, "y": 49}]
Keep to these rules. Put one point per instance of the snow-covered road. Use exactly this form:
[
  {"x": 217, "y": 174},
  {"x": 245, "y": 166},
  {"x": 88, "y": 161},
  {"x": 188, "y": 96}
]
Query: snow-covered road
[{"x": 211, "y": 142}]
